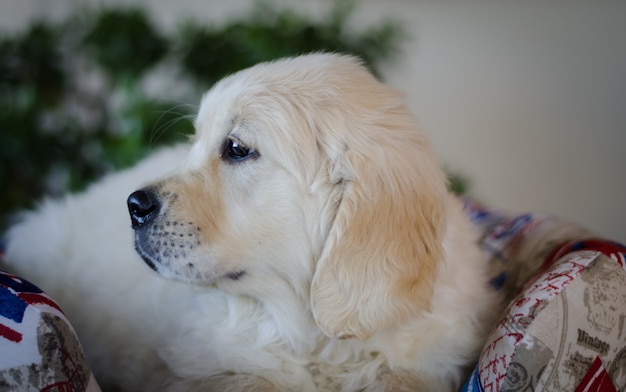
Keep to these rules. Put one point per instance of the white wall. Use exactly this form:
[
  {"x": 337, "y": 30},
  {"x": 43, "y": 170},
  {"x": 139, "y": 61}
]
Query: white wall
[
  {"x": 525, "y": 98},
  {"x": 528, "y": 99}
]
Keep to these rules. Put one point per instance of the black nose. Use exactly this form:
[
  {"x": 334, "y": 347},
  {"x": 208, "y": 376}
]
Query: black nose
[{"x": 143, "y": 206}]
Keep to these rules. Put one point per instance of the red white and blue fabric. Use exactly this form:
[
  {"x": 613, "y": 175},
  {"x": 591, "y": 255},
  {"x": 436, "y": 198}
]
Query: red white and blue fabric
[
  {"x": 39, "y": 349},
  {"x": 21, "y": 304},
  {"x": 502, "y": 235}
]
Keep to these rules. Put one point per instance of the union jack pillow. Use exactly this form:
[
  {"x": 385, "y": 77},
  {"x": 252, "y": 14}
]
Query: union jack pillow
[{"x": 39, "y": 348}]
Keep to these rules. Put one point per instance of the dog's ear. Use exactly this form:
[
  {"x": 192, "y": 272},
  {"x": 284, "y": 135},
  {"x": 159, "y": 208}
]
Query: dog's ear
[{"x": 383, "y": 249}]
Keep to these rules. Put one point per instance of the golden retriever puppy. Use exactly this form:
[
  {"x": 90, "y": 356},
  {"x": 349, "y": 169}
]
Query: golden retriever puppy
[{"x": 303, "y": 241}]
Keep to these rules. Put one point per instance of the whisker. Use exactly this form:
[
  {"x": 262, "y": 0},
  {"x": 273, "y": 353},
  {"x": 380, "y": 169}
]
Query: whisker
[
  {"x": 160, "y": 128},
  {"x": 159, "y": 131}
]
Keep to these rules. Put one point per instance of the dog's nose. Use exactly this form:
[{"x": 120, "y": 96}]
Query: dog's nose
[{"x": 143, "y": 206}]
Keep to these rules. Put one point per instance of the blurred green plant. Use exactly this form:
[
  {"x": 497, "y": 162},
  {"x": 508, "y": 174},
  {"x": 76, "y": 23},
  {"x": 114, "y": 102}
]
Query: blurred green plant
[
  {"x": 457, "y": 183},
  {"x": 270, "y": 34},
  {"x": 73, "y": 96},
  {"x": 125, "y": 43}
]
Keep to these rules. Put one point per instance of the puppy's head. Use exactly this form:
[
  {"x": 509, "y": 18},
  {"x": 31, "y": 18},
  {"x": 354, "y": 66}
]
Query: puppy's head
[{"x": 310, "y": 174}]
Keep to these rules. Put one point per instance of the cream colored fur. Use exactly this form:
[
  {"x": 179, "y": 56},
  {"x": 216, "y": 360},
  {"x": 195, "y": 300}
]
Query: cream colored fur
[{"x": 331, "y": 259}]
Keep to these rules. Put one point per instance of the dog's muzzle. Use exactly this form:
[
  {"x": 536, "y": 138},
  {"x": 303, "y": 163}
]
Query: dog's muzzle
[{"x": 143, "y": 206}]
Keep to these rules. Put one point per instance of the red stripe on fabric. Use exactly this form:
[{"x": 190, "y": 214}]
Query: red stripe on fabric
[
  {"x": 596, "y": 379},
  {"x": 38, "y": 299},
  {"x": 608, "y": 248},
  {"x": 10, "y": 334}
]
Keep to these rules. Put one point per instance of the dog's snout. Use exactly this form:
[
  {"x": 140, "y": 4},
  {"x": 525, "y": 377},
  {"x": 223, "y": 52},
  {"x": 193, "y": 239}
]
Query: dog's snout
[{"x": 143, "y": 206}]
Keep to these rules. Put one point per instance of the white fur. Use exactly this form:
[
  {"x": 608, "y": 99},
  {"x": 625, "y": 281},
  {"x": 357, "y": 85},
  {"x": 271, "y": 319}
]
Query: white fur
[{"x": 361, "y": 272}]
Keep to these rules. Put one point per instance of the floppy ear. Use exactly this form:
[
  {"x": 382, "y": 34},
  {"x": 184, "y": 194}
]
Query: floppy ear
[{"x": 380, "y": 258}]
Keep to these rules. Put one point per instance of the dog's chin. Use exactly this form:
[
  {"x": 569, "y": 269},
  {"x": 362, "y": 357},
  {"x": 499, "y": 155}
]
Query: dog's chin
[{"x": 190, "y": 277}]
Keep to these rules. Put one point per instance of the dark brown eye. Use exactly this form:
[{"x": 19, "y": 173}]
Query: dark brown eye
[{"x": 234, "y": 151}]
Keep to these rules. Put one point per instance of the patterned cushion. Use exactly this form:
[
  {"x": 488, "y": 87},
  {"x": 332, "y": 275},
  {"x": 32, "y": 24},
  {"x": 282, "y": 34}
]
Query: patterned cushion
[
  {"x": 40, "y": 350},
  {"x": 564, "y": 328}
]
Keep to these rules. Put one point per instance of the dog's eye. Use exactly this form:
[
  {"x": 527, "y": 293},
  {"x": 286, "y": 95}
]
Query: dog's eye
[{"x": 233, "y": 150}]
